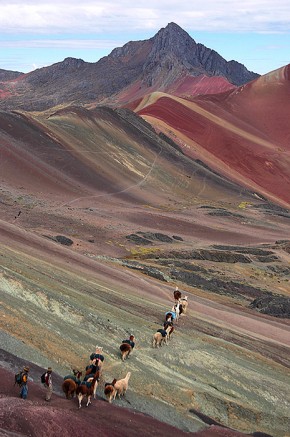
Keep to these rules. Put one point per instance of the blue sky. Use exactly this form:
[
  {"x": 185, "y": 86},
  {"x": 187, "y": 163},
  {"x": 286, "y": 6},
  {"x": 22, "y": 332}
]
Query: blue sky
[{"x": 38, "y": 33}]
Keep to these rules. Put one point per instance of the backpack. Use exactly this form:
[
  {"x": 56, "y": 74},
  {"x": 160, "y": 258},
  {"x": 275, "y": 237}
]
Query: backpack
[
  {"x": 18, "y": 378},
  {"x": 42, "y": 378},
  {"x": 162, "y": 332}
]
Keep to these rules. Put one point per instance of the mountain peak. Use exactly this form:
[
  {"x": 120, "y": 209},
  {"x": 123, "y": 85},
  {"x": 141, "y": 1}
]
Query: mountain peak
[
  {"x": 173, "y": 35},
  {"x": 173, "y": 28},
  {"x": 160, "y": 63}
]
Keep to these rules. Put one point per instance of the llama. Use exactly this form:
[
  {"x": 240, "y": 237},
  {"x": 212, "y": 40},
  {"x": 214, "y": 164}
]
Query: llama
[
  {"x": 158, "y": 338},
  {"x": 127, "y": 347},
  {"x": 177, "y": 309},
  {"x": 89, "y": 377},
  {"x": 70, "y": 384},
  {"x": 184, "y": 303},
  {"x": 110, "y": 390},
  {"x": 180, "y": 308},
  {"x": 121, "y": 386},
  {"x": 177, "y": 295},
  {"x": 171, "y": 330},
  {"x": 171, "y": 316},
  {"x": 98, "y": 355},
  {"x": 94, "y": 367},
  {"x": 161, "y": 336},
  {"x": 88, "y": 389}
]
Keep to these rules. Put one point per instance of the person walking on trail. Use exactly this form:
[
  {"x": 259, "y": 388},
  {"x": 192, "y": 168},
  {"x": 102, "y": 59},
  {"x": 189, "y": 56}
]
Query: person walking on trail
[
  {"x": 48, "y": 384},
  {"x": 23, "y": 383}
]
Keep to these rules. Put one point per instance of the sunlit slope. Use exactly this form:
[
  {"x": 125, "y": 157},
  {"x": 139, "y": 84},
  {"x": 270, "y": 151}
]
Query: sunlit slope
[
  {"x": 265, "y": 104},
  {"x": 247, "y": 146},
  {"x": 83, "y": 156},
  {"x": 184, "y": 86}
]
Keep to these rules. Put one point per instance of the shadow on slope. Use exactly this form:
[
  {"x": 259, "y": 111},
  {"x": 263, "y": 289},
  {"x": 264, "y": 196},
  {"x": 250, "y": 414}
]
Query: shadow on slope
[
  {"x": 64, "y": 418},
  {"x": 83, "y": 156}
]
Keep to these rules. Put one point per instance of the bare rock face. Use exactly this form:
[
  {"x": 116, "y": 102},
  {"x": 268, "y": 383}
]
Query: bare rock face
[
  {"x": 8, "y": 75},
  {"x": 174, "y": 52},
  {"x": 276, "y": 306},
  {"x": 158, "y": 61}
]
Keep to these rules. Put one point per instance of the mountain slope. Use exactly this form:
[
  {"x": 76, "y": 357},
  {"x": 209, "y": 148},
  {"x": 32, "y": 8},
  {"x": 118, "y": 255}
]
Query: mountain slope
[
  {"x": 100, "y": 219},
  {"x": 242, "y": 134},
  {"x": 89, "y": 154},
  {"x": 157, "y": 63}
]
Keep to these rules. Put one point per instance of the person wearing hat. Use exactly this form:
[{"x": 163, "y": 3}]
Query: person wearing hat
[
  {"x": 48, "y": 384},
  {"x": 24, "y": 380}
]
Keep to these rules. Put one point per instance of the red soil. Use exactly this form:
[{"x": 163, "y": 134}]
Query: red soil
[{"x": 245, "y": 133}]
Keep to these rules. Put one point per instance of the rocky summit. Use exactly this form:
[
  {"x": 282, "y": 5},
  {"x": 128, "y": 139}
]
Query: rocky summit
[{"x": 161, "y": 62}]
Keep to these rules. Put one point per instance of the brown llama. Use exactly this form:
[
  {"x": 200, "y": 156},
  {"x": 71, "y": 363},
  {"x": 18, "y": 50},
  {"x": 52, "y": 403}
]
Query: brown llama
[
  {"x": 70, "y": 384},
  {"x": 110, "y": 390},
  {"x": 177, "y": 295},
  {"x": 127, "y": 347},
  {"x": 89, "y": 377},
  {"x": 121, "y": 386},
  {"x": 86, "y": 388},
  {"x": 171, "y": 330},
  {"x": 94, "y": 367}
]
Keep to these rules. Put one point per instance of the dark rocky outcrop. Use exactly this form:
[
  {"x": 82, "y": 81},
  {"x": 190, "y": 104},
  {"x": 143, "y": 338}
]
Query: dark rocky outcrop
[
  {"x": 276, "y": 306},
  {"x": 146, "y": 238},
  {"x": 64, "y": 240},
  {"x": 247, "y": 250},
  {"x": 60, "y": 239},
  {"x": 203, "y": 254},
  {"x": 156, "y": 236},
  {"x": 273, "y": 209},
  {"x": 225, "y": 213},
  {"x": 280, "y": 270},
  {"x": 216, "y": 285},
  {"x": 267, "y": 259},
  {"x": 138, "y": 239}
]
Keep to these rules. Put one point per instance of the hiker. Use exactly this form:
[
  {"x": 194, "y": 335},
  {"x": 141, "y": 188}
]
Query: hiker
[
  {"x": 23, "y": 383},
  {"x": 48, "y": 383}
]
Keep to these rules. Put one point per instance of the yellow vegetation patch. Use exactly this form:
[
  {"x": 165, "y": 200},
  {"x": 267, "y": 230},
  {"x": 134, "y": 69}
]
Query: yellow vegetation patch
[
  {"x": 142, "y": 251},
  {"x": 244, "y": 205}
]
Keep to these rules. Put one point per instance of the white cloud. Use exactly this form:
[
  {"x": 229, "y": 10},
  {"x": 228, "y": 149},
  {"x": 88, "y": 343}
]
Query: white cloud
[
  {"x": 70, "y": 16},
  {"x": 61, "y": 44}
]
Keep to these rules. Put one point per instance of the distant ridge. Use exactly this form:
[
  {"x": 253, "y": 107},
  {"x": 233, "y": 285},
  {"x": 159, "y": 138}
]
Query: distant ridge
[
  {"x": 137, "y": 68},
  {"x": 9, "y": 75}
]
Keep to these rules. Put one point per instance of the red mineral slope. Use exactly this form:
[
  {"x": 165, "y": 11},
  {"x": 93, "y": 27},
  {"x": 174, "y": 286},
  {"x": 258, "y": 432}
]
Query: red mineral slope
[
  {"x": 183, "y": 86},
  {"x": 243, "y": 134},
  {"x": 200, "y": 85}
]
